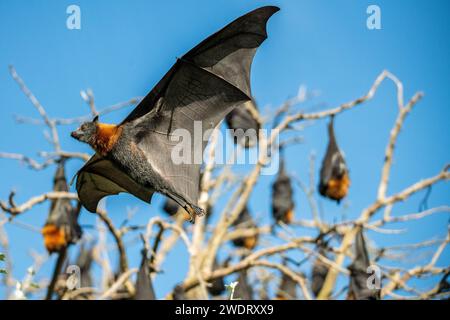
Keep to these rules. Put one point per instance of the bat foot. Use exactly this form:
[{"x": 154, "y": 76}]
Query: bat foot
[
  {"x": 194, "y": 211},
  {"x": 199, "y": 212}
]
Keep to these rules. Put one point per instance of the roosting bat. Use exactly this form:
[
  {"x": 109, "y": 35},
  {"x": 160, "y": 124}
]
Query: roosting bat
[
  {"x": 245, "y": 220},
  {"x": 217, "y": 285},
  {"x": 358, "y": 287},
  {"x": 84, "y": 262},
  {"x": 61, "y": 227},
  {"x": 243, "y": 289},
  {"x": 334, "y": 178},
  {"x": 203, "y": 86},
  {"x": 287, "y": 289},
  {"x": 144, "y": 287},
  {"x": 318, "y": 274},
  {"x": 282, "y": 201},
  {"x": 244, "y": 125}
]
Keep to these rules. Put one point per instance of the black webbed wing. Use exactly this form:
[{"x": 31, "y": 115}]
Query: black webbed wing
[
  {"x": 100, "y": 177},
  {"x": 203, "y": 86},
  {"x": 227, "y": 54}
]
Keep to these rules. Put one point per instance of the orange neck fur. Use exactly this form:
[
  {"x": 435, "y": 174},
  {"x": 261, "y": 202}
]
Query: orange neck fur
[{"x": 106, "y": 137}]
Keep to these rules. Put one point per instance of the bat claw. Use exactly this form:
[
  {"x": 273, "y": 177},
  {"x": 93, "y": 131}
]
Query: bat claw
[
  {"x": 194, "y": 211},
  {"x": 199, "y": 212}
]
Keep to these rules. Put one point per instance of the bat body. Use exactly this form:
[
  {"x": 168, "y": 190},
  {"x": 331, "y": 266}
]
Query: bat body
[
  {"x": 282, "y": 200},
  {"x": 358, "y": 287},
  {"x": 61, "y": 227},
  {"x": 217, "y": 285},
  {"x": 144, "y": 286},
  {"x": 287, "y": 289},
  {"x": 319, "y": 273},
  {"x": 244, "y": 125},
  {"x": 243, "y": 289},
  {"x": 245, "y": 220},
  {"x": 334, "y": 178},
  {"x": 84, "y": 262},
  {"x": 203, "y": 86}
]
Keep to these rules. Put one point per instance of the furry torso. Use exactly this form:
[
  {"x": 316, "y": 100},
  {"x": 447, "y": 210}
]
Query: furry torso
[{"x": 132, "y": 160}]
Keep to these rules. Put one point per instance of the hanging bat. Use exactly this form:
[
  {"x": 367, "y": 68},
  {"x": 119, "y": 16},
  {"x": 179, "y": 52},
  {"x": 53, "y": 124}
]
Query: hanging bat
[
  {"x": 61, "y": 227},
  {"x": 334, "y": 177},
  {"x": 287, "y": 289},
  {"x": 203, "y": 86},
  {"x": 282, "y": 200},
  {"x": 319, "y": 273},
  {"x": 245, "y": 220},
  {"x": 178, "y": 293},
  {"x": 217, "y": 285},
  {"x": 84, "y": 262},
  {"x": 144, "y": 287},
  {"x": 358, "y": 287},
  {"x": 244, "y": 125},
  {"x": 243, "y": 289}
]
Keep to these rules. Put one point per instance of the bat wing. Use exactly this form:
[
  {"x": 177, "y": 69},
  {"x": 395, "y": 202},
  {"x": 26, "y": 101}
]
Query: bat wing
[
  {"x": 194, "y": 96},
  {"x": 99, "y": 177}
]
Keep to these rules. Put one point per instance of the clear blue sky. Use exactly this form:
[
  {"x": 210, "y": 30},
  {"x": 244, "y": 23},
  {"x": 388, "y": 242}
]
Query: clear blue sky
[{"x": 124, "y": 48}]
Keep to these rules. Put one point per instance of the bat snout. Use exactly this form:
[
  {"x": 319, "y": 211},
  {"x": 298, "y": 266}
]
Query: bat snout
[{"x": 76, "y": 134}]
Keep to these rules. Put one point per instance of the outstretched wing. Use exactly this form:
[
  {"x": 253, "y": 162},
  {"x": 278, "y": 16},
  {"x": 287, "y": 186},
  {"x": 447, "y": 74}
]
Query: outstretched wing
[
  {"x": 99, "y": 178},
  {"x": 195, "y": 95}
]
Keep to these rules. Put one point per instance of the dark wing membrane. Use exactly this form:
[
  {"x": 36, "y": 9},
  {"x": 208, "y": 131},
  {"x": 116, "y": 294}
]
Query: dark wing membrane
[
  {"x": 195, "y": 101},
  {"x": 195, "y": 95},
  {"x": 99, "y": 178},
  {"x": 227, "y": 53}
]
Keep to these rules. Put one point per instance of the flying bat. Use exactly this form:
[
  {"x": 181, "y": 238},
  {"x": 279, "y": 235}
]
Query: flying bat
[
  {"x": 203, "y": 86},
  {"x": 334, "y": 177}
]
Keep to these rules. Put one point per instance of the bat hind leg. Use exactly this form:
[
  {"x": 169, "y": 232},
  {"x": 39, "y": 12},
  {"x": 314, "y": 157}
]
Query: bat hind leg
[{"x": 192, "y": 210}]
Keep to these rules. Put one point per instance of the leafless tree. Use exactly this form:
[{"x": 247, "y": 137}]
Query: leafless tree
[{"x": 324, "y": 254}]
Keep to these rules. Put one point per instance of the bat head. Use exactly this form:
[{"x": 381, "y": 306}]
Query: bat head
[{"x": 86, "y": 132}]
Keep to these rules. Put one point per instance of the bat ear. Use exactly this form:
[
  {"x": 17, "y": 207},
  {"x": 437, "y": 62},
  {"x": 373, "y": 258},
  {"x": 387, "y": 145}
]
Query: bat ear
[{"x": 95, "y": 119}]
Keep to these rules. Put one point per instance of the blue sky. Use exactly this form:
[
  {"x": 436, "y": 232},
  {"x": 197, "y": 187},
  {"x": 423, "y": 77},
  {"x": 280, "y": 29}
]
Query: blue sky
[{"x": 125, "y": 47}]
